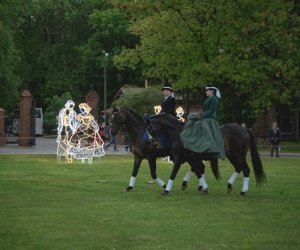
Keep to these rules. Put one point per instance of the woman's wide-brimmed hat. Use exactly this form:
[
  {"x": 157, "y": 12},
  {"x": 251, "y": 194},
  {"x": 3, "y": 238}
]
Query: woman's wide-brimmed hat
[
  {"x": 167, "y": 86},
  {"x": 212, "y": 86}
]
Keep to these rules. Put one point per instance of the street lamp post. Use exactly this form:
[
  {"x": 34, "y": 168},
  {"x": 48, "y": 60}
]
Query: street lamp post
[{"x": 105, "y": 104}]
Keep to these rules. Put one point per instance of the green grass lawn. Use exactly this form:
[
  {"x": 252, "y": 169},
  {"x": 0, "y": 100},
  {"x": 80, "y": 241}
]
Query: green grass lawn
[
  {"x": 45, "y": 205},
  {"x": 285, "y": 147}
]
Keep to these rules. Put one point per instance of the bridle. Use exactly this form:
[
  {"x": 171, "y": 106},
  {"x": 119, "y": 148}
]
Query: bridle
[{"x": 115, "y": 122}]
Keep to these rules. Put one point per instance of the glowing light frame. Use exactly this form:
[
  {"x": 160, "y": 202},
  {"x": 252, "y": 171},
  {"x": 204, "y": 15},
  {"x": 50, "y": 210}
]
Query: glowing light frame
[
  {"x": 179, "y": 112},
  {"x": 78, "y": 135}
]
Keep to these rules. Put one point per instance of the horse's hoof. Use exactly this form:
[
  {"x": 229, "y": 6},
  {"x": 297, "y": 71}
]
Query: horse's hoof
[
  {"x": 164, "y": 186},
  {"x": 200, "y": 188},
  {"x": 128, "y": 189},
  {"x": 164, "y": 193},
  {"x": 205, "y": 191},
  {"x": 243, "y": 193},
  {"x": 184, "y": 185},
  {"x": 229, "y": 188}
]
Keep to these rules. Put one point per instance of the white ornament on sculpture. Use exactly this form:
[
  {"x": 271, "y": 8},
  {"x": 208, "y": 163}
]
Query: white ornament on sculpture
[{"x": 179, "y": 112}]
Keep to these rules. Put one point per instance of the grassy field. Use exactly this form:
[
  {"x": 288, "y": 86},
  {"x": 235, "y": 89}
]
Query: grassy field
[
  {"x": 285, "y": 147},
  {"x": 44, "y": 205}
]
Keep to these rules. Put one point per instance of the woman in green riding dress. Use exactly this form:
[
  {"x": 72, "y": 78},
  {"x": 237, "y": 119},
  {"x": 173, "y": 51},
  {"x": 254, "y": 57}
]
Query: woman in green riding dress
[{"x": 202, "y": 134}]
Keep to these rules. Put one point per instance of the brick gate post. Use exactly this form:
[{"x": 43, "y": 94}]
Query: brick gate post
[{"x": 25, "y": 118}]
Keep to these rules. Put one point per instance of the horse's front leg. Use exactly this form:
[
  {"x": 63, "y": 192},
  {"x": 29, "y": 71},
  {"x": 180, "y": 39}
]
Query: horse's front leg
[
  {"x": 188, "y": 176},
  {"x": 135, "y": 170},
  {"x": 186, "y": 179},
  {"x": 176, "y": 167},
  {"x": 198, "y": 167},
  {"x": 152, "y": 165}
]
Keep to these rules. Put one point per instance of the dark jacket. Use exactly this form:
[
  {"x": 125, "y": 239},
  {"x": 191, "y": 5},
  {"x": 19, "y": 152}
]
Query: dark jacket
[
  {"x": 275, "y": 136},
  {"x": 168, "y": 106},
  {"x": 210, "y": 107}
]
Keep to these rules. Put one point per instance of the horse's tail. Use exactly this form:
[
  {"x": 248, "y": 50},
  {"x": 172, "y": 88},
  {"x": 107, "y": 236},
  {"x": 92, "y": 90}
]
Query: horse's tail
[
  {"x": 215, "y": 167},
  {"x": 256, "y": 161}
]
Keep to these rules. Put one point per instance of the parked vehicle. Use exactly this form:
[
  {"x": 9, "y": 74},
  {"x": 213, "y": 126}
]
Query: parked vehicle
[{"x": 38, "y": 121}]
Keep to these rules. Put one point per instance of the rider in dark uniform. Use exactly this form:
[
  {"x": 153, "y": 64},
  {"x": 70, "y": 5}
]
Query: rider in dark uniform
[{"x": 168, "y": 104}]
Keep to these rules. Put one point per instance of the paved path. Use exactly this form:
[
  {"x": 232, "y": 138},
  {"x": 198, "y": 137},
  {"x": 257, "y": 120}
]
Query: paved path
[{"x": 48, "y": 146}]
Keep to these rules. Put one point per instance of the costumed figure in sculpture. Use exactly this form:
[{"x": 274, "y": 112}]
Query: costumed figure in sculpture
[
  {"x": 86, "y": 142},
  {"x": 66, "y": 124}
]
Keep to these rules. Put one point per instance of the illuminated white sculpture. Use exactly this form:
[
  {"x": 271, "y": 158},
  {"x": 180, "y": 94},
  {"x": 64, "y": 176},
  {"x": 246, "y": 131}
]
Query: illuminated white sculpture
[
  {"x": 157, "y": 109},
  {"x": 66, "y": 125},
  {"x": 179, "y": 112},
  {"x": 78, "y": 135}
]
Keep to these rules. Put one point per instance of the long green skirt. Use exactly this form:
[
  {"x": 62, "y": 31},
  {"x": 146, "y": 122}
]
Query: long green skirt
[{"x": 203, "y": 136}]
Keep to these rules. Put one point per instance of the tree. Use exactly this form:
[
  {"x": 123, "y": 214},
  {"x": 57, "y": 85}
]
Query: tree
[
  {"x": 54, "y": 105},
  {"x": 10, "y": 19},
  {"x": 142, "y": 102},
  {"x": 8, "y": 60},
  {"x": 249, "y": 48},
  {"x": 109, "y": 34}
]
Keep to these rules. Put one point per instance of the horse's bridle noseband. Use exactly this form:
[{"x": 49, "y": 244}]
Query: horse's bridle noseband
[{"x": 120, "y": 121}]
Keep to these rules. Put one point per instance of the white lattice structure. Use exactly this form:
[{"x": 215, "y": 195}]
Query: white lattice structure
[{"x": 78, "y": 135}]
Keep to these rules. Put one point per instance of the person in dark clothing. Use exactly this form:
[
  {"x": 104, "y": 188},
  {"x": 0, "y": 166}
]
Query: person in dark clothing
[
  {"x": 113, "y": 141},
  {"x": 102, "y": 131},
  {"x": 168, "y": 104},
  {"x": 275, "y": 139}
]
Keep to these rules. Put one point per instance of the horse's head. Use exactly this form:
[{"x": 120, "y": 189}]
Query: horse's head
[
  {"x": 116, "y": 119},
  {"x": 154, "y": 126}
]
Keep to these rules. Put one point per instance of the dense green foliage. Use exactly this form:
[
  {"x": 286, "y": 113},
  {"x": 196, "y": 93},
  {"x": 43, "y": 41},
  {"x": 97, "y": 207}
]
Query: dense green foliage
[
  {"x": 59, "y": 46},
  {"x": 44, "y": 205},
  {"x": 9, "y": 57},
  {"x": 54, "y": 104},
  {"x": 249, "y": 48},
  {"x": 142, "y": 102}
]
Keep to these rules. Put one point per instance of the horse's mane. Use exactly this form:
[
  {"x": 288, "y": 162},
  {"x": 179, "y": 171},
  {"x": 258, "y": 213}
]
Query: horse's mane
[
  {"x": 135, "y": 113},
  {"x": 168, "y": 117}
]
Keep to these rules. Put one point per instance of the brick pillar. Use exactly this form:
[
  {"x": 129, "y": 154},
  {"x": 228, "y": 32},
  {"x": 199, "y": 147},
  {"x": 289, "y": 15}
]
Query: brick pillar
[
  {"x": 92, "y": 100},
  {"x": 25, "y": 118},
  {"x": 2, "y": 134}
]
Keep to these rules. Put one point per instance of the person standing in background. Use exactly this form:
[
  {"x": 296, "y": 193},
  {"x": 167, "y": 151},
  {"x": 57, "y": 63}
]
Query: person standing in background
[{"x": 275, "y": 139}]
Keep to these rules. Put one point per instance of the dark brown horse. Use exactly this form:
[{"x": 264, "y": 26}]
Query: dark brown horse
[
  {"x": 141, "y": 149},
  {"x": 237, "y": 141}
]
